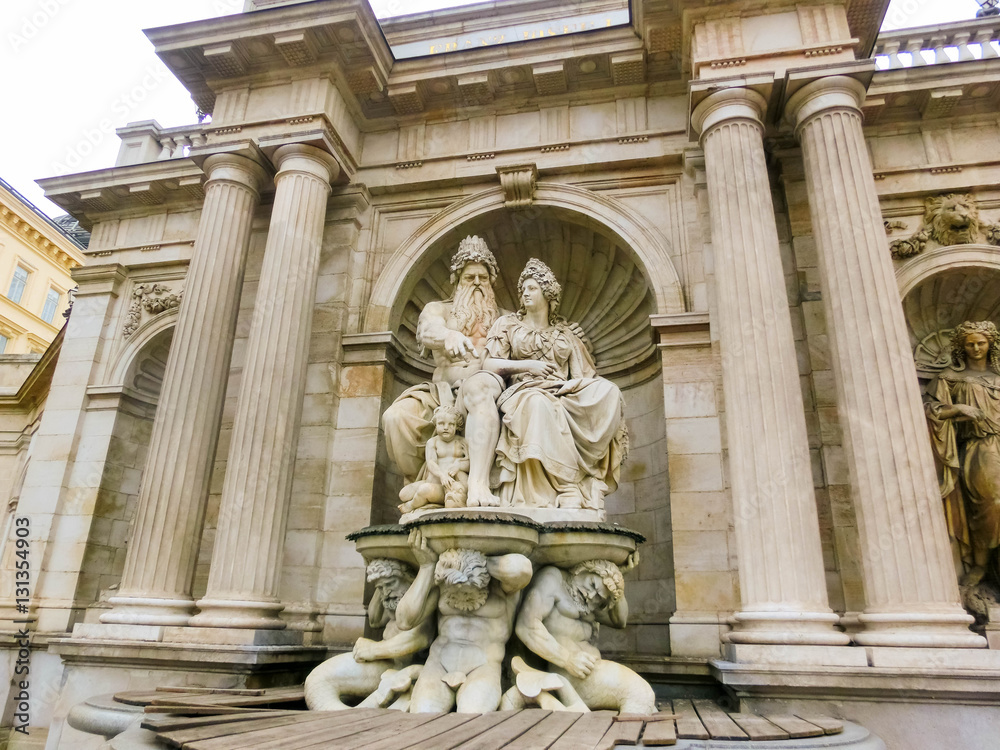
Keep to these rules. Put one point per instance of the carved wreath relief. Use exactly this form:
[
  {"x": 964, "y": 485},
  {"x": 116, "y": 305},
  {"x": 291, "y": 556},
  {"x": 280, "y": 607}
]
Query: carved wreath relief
[{"x": 154, "y": 299}]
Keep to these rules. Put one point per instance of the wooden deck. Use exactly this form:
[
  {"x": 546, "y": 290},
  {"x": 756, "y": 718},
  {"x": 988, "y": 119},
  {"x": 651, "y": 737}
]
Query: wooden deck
[{"x": 268, "y": 720}]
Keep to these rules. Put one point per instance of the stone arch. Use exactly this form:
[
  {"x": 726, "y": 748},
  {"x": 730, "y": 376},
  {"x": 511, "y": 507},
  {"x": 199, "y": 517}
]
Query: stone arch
[
  {"x": 914, "y": 272},
  {"x": 633, "y": 231},
  {"x": 158, "y": 329}
]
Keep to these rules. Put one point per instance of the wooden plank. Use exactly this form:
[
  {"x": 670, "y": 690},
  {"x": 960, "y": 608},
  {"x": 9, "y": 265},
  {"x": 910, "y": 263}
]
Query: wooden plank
[
  {"x": 717, "y": 721},
  {"x": 586, "y": 732},
  {"x": 620, "y": 733},
  {"x": 827, "y": 723},
  {"x": 391, "y": 726},
  {"x": 689, "y": 726},
  {"x": 212, "y": 691},
  {"x": 179, "y": 737},
  {"x": 416, "y": 735},
  {"x": 507, "y": 732},
  {"x": 304, "y": 722},
  {"x": 171, "y": 723},
  {"x": 468, "y": 731},
  {"x": 659, "y": 733},
  {"x": 544, "y": 733},
  {"x": 278, "y": 695},
  {"x": 372, "y": 718},
  {"x": 137, "y": 697},
  {"x": 210, "y": 710},
  {"x": 758, "y": 728},
  {"x": 795, "y": 726}
]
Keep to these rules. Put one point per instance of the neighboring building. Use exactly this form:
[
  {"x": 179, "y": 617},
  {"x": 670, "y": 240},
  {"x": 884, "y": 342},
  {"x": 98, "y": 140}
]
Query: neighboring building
[
  {"x": 759, "y": 212},
  {"x": 37, "y": 255}
]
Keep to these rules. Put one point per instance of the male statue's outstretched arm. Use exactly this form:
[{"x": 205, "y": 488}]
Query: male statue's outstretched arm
[
  {"x": 420, "y": 601},
  {"x": 434, "y": 334}
]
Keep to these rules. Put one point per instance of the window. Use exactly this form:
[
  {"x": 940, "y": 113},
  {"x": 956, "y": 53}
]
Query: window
[
  {"x": 51, "y": 304},
  {"x": 17, "y": 285},
  {"x": 3, "y": 343}
]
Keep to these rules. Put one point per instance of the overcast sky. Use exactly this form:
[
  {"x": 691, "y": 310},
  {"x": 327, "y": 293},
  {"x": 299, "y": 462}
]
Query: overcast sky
[{"x": 74, "y": 70}]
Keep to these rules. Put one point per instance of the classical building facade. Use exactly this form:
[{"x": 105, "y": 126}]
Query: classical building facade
[
  {"x": 36, "y": 258},
  {"x": 762, "y": 216}
]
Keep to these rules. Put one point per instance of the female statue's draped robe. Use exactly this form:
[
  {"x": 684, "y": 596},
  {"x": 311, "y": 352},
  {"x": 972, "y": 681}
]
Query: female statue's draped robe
[
  {"x": 563, "y": 438},
  {"x": 969, "y": 449}
]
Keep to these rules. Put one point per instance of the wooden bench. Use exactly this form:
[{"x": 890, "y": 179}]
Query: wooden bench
[{"x": 262, "y": 720}]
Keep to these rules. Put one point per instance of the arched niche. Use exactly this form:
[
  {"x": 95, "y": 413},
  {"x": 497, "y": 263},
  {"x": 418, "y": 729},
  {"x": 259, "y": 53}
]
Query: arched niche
[
  {"x": 133, "y": 397},
  {"x": 947, "y": 286},
  {"x": 615, "y": 271}
]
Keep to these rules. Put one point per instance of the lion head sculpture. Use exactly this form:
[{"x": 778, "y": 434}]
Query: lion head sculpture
[{"x": 952, "y": 219}]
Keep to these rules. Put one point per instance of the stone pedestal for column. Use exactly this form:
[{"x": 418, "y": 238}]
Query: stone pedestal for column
[
  {"x": 246, "y": 561},
  {"x": 910, "y": 584},
  {"x": 162, "y": 554},
  {"x": 782, "y": 581}
]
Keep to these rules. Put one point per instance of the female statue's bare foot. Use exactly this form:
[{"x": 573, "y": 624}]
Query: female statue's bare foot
[
  {"x": 974, "y": 576},
  {"x": 481, "y": 497}
]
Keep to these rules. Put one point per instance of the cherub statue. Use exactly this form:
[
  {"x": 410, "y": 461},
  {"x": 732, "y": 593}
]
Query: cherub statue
[{"x": 445, "y": 476}]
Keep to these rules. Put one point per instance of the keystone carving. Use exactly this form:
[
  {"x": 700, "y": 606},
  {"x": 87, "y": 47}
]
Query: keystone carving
[
  {"x": 518, "y": 183},
  {"x": 154, "y": 299}
]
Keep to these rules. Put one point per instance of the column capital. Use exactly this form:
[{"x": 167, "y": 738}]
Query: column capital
[
  {"x": 725, "y": 105},
  {"x": 305, "y": 159},
  {"x": 824, "y": 95},
  {"x": 234, "y": 168}
]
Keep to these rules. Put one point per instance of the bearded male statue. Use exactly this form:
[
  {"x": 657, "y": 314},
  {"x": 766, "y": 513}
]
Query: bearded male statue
[
  {"x": 474, "y": 599},
  {"x": 454, "y": 332},
  {"x": 357, "y": 674}
]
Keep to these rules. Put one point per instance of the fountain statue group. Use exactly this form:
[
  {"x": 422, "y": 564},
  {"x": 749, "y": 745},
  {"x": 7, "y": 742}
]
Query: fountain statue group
[{"x": 492, "y": 590}]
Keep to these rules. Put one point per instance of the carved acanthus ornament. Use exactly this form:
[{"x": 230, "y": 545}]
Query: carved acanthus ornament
[
  {"x": 154, "y": 299},
  {"x": 518, "y": 182},
  {"x": 951, "y": 219}
]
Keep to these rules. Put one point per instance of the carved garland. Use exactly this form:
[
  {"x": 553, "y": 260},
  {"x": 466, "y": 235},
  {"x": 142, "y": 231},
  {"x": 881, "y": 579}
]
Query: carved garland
[
  {"x": 154, "y": 299},
  {"x": 951, "y": 219}
]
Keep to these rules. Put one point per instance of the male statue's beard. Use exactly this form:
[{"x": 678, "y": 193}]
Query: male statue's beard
[
  {"x": 474, "y": 308},
  {"x": 464, "y": 597}
]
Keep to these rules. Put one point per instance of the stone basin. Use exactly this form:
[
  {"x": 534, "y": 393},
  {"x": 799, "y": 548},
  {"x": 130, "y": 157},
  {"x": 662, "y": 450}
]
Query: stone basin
[
  {"x": 563, "y": 544},
  {"x": 493, "y": 533}
]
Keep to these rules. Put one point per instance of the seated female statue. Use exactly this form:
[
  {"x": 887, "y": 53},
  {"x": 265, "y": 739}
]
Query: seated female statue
[{"x": 563, "y": 436}]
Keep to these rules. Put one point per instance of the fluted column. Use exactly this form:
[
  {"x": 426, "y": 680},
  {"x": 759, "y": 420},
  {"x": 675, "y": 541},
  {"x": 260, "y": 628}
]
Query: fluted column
[
  {"x": 782, "y": 581},
  {"x": 163, "y": 551},
  {"x": 911, "y": 589},
  {"x": 246, "y": 562}
]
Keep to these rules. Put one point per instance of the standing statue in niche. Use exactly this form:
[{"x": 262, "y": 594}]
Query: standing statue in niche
[
  {"x": 474, "y": 599},
  {"x": 358, "y": 674},
  {"x": 444, "y": 479},
  {"x": 963, "y": 410},
  {"x": 559, "y": 621},
  {"x": 563, "y": 438}
]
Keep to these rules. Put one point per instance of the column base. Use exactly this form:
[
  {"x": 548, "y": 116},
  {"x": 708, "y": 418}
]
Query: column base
[
  {"x": 918, "y": 630},
  {"x": 141, "y": 610},
  {"x": 806, "y": 656},
  {"x": 233, "y": 613},
  {"x": 786, "y": 628}
]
